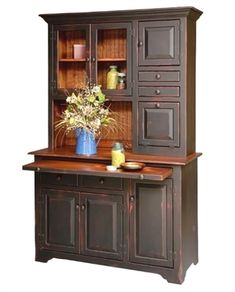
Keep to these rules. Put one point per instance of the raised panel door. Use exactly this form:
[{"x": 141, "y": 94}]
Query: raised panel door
[
  {"x": 159, "y": 43},
  {"x": 158, "y": 124},
  {"x": 59, "y": 220},
  {"x": 102, "y": 225},
  {"x": 151, "y": 238}
]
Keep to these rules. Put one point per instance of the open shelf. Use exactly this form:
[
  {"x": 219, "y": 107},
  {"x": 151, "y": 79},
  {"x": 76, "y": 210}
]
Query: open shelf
[
  {"x": 121, "y": 112},
  {"x": 72, "y": 60},
  {"x": 112, "y": 60}
]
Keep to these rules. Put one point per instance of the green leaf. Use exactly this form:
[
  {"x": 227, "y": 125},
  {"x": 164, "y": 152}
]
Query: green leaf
[
  {"x": 91, "y": 98},
  {"x": 101, "y": 97}
]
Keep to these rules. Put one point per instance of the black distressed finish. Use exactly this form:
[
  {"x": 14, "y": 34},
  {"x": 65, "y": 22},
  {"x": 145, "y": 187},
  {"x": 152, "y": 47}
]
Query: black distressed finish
[{"x": 143, "y": 220}]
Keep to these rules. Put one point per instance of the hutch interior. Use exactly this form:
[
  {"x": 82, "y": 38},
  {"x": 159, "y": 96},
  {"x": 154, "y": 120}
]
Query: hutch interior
[{"x": 143, "y": 220}]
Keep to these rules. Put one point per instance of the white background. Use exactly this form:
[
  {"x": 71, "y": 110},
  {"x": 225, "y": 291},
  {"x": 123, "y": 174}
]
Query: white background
[{"x": 23, "y": 115}]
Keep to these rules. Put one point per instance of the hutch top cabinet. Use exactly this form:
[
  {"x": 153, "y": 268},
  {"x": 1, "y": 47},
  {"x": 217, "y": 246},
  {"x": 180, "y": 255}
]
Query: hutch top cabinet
[
  {"x": 145, "y": 219},
  {"x": 156, "y": 51}
]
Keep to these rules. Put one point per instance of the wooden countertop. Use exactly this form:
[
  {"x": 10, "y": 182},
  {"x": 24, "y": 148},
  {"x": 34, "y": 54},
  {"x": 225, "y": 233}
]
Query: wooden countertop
[{"x": 68, "y": 153}]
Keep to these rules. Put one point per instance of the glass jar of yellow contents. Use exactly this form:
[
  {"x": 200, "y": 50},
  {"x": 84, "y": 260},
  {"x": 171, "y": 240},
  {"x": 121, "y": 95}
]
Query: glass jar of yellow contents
[
  {"x": 112, "y": 77},
  {"x": 118, "y": 154}
]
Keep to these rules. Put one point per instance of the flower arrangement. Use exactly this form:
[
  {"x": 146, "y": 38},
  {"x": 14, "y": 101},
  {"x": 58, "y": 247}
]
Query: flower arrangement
[{"x": 86, "y": 110}]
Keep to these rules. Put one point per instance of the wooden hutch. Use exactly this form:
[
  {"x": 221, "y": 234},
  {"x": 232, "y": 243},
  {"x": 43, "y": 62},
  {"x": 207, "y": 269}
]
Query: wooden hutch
[{"x": 143, "y": 220}]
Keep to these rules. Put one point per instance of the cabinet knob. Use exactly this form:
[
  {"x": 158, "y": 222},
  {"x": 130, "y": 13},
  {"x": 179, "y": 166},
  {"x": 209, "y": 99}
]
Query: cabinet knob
[
  {"x": 158, "y": 76},
  {"x": 141, "y": 44},
  {"x": 88, "y": 59},
  {"x": 83, "y": 207},
  {"x": 58, "y": 177},
  {"x": 157, "y": 91},
  {"x": 141, "y": 176},
  {"x": 157, "y": 105},
  {"x": 101, "y": 181},
  {"x": 77, "y": 206},
  {"x": 132, "y": 198},
  {"x": 93, "y": 59}
]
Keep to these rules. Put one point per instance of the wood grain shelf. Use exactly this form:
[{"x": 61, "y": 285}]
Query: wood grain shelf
[
  {"x": 68, "y": 152},
  {"x": 112, "y": 60},
  {"x": 72, "y": 60},
  {"x": 97, "y": 169},
  {"x": 99, "y": 60}
]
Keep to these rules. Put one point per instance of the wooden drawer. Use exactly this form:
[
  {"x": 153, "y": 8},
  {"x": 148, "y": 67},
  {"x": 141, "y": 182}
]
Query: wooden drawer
[
  {"x": 159, "y": 91},
  {"x": 100, "y": 182},
  {"x": 159, "y": 76},
  {"x": 59, "y": 179}
]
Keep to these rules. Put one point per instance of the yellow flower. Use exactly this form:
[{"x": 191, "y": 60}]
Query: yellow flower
[{"x": 71, "y": 120}]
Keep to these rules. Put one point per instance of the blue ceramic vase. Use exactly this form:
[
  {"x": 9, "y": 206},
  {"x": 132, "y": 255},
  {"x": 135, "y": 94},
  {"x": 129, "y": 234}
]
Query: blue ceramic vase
[{"x": 86, "y": 144}]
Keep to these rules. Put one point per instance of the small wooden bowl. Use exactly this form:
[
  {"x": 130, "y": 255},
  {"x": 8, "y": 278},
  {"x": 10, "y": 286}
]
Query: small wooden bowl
[{"x": 132, "y": 165}]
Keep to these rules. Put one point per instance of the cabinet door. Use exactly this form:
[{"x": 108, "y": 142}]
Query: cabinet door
[
  {"x": 111, "y": 45},
  {"x": 151, "y": 223},
  {"x": 159, "y": 43},
  {"x": 71, "y": 57},
  {"x": 59, "y": 220},
  {"x": 158, "y": 124},
  {"x": 101, "y": 223}
]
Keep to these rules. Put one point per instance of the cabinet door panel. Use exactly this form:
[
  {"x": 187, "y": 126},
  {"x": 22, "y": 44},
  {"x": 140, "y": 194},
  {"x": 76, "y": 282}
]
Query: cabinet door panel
[
  {"x": 71, "y": 57},
  {"x": 159, "y": 43},
  {"x": 59, "y": 220},
  {"x": 112, "y": 45},
  {"x": 151, "y": 224},
  {"x": 158, "y": 124},
  {"x": 101, "y": 221}
]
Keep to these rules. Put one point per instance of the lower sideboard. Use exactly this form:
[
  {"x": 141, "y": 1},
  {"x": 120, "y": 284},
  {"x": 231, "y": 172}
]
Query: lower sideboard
[{"x": 140, "y": 222}]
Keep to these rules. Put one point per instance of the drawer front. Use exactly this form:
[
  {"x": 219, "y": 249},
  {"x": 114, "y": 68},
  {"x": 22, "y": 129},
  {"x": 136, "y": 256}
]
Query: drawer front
[
  {"x": 59, "y": 179},
  {"x": 99, "y": 182},
  {"x": 159, "y": 76},
  {"x": 159, "y": 91}
]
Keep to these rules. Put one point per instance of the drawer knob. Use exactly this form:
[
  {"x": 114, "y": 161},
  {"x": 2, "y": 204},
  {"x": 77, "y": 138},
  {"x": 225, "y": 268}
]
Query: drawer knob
[
  {"x": 101, "y": 181},
  {"x": 157, "y": 91},
  {"x": 58, "y": 177},
  {"x": 158, "y": 76},
  {"x": 157, "y": 105}
]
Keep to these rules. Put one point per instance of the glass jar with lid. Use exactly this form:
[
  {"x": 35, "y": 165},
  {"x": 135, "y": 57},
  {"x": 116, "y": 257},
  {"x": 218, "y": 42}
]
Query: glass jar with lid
[
  {"x": 121, "y": 81},
  {"x": 112, "y": 77},
  {"x": 118, "y": 154}
]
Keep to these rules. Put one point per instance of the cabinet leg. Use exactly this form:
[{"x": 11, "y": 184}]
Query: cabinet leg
[
  {"x": 175, "y": 277},
  {"x": 195, "y": 261},
  {"x": 42, "y": 257}
]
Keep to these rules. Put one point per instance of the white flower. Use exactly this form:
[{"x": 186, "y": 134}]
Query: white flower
[
  {"x": 95, "y": 89},
  {"x": 84, "y": 111}
]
